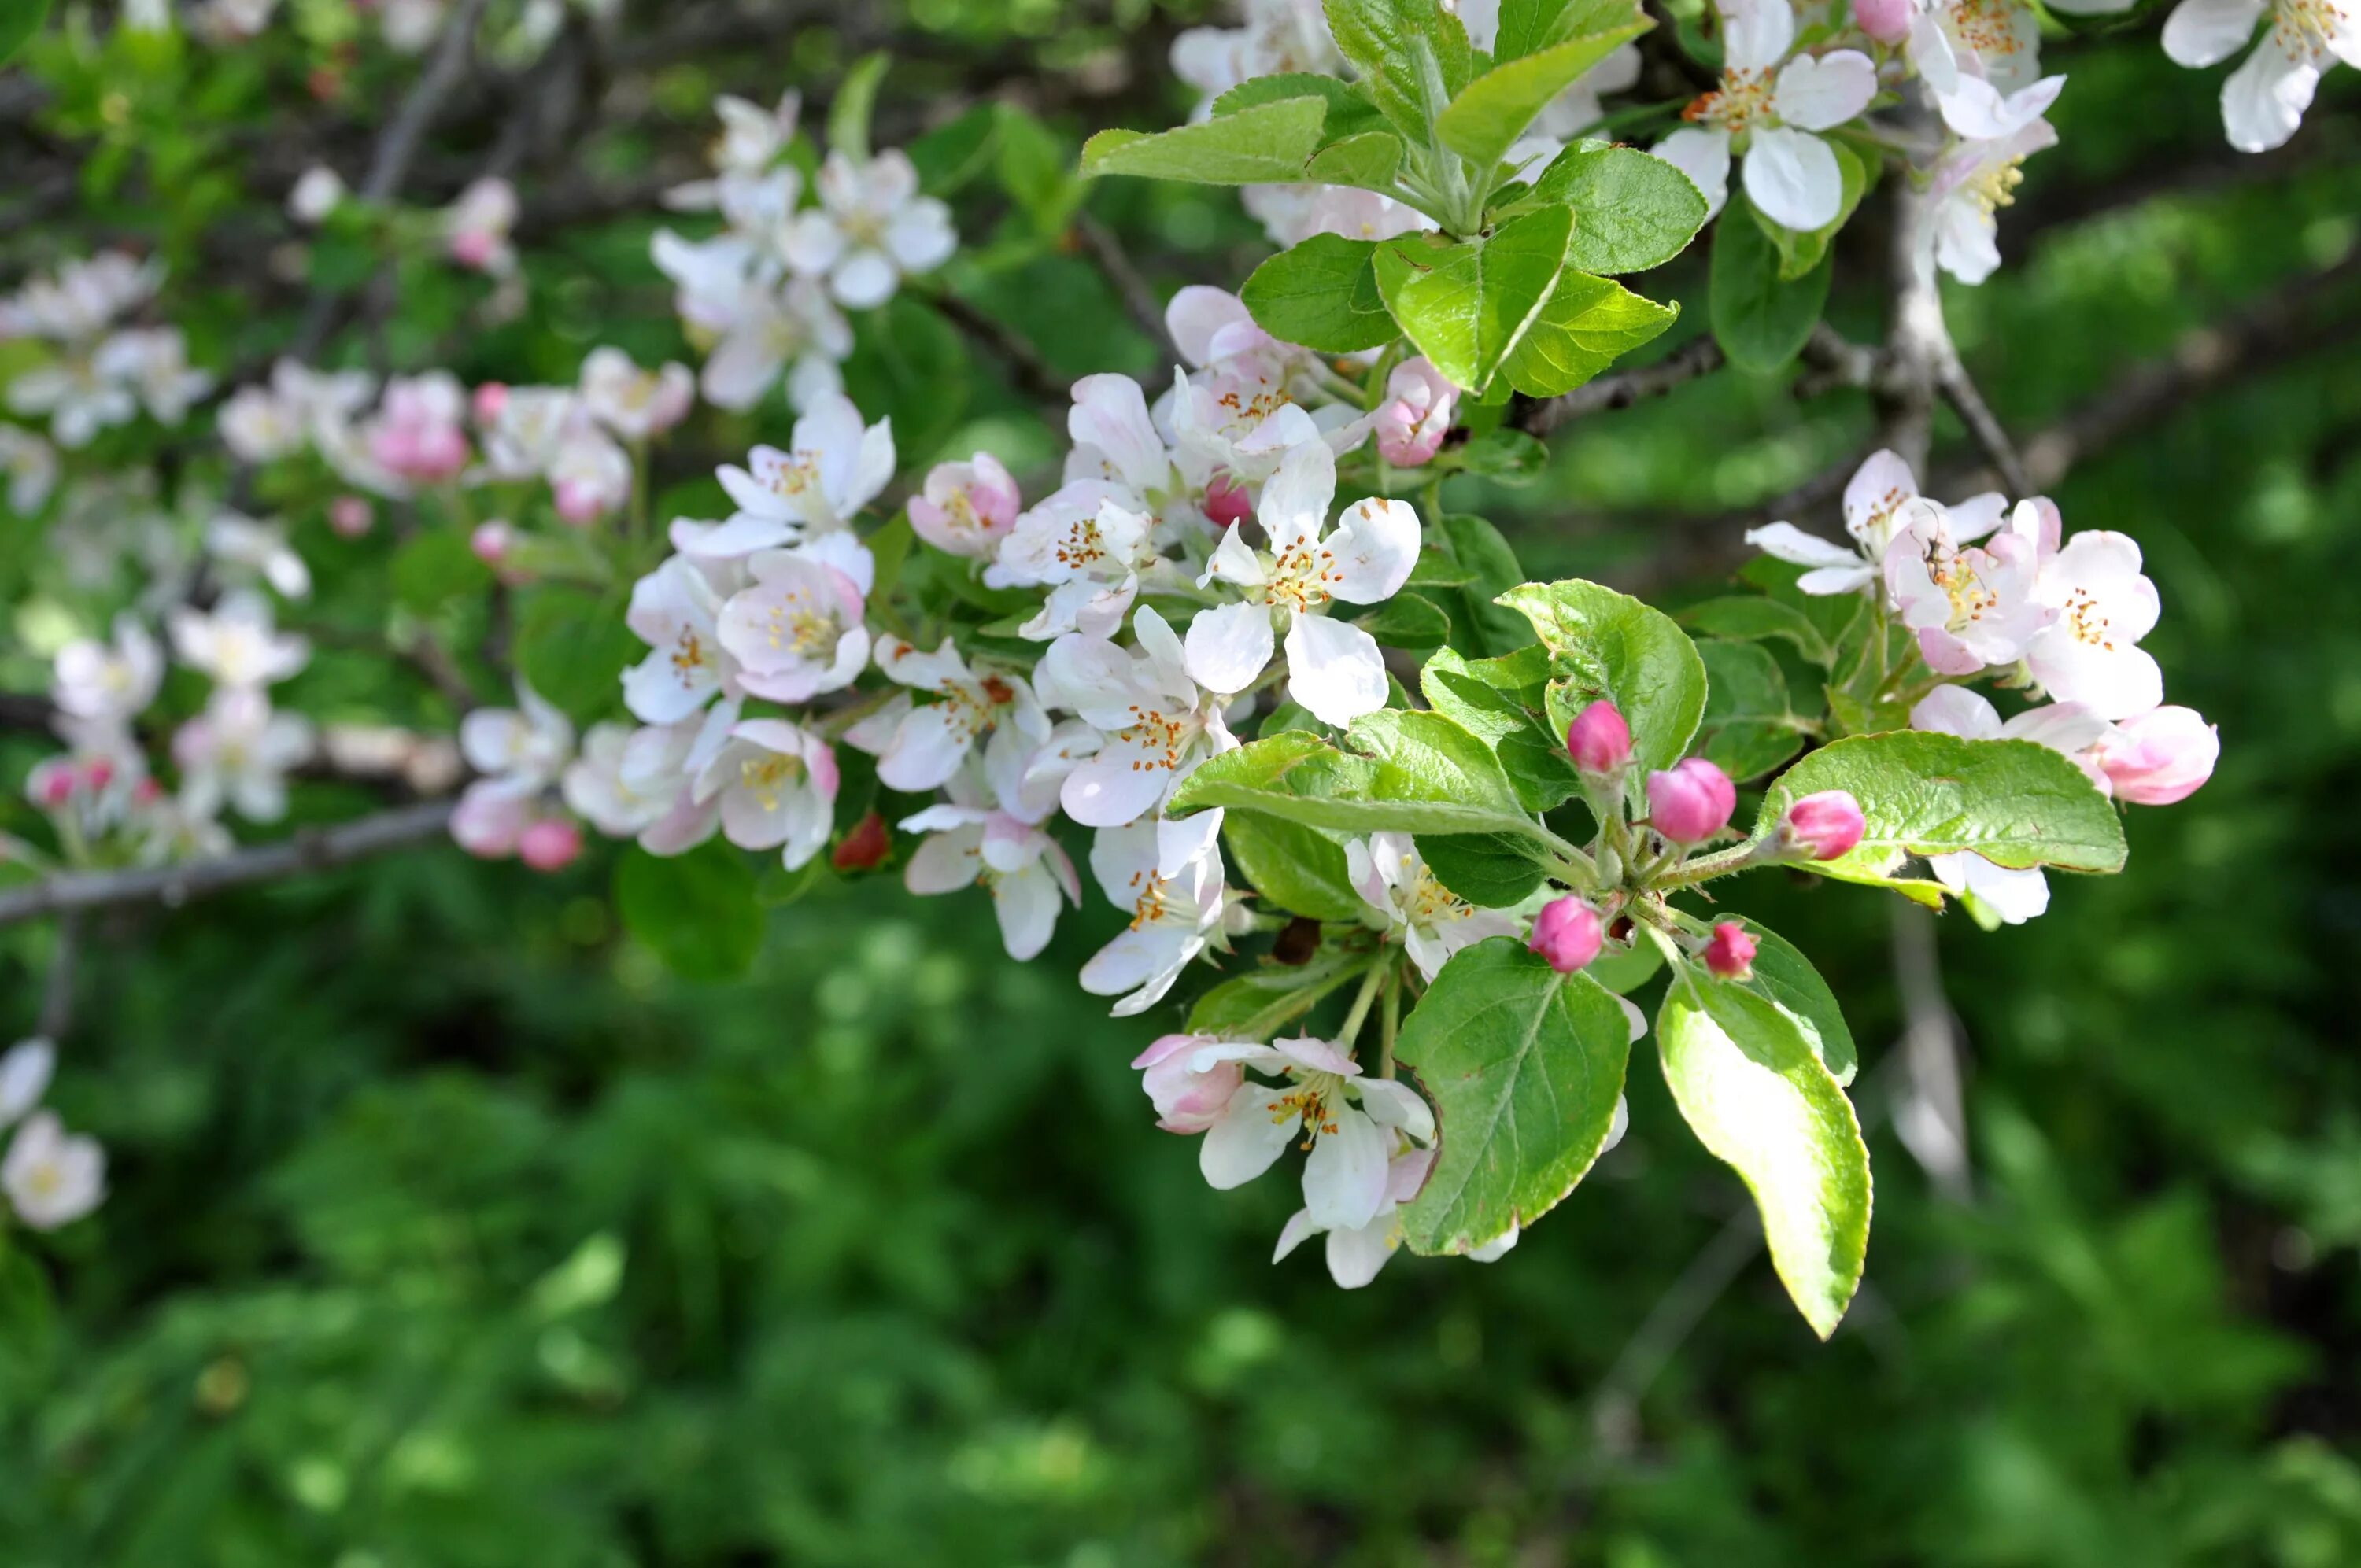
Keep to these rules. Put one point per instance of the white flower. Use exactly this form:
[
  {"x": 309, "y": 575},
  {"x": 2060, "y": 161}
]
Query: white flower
[
  {"x": 258, "y": 426},
  {"x": 80, "y": 398},
  {"x": 257, "y": 549},
  {"x": 237, "y": 644},
  {"x": 1791, "y": 175},
  {"x": 1025, "y": 871},
  {"x": 751, "y": 139},
  {"x": 25, "y": 1077},
  {"x": 1971, "y": 606},
  {"x": 1156, "y": 723},
  {"x": 1277, "y": 37},
  {"x": 2263, "y": 99},
  {"x": 154, "y": 362},
  {"x": 317, "y": 192},
  {"x": 2015, "y": 894},
  {"x": 1173, "y": 917},
  {"x": 98, "y": 681},
  {"x": 2101, "y": 605},
  {"x": 1333, "y": 668},
  {"x": 31, "y": 465},
  {"x": 475, "y": 227},
  {"x": 1356, "y": 1253},
  {"x": 524, "y": 746},
  {"x": 871, "y": 229},
  {"x": 1970, "y": 185},
  {"x": 1344, "y": 1118},
  {"x": 527, "y": 429},
  {"x": 1873, "y": 500},
  {"x": 82, "y": 299},
  {"x": 1091, "y": 551},
  {"x": 634, "y": 403},
  {"x": 1997, "y": 42},
  {"x": 776, "y": 784},
  {"x": 795, "y": 630},
  {"x": 676, "y": 611},
  {"x": 601, "y": 787},
  {"x": 238, "y": 752},
  {"x": 837, "y": 466},
  {"x": 922, "y": 747},
  {"x": 52, "y": 1178},
  {"x": 1392, "y": 878}
]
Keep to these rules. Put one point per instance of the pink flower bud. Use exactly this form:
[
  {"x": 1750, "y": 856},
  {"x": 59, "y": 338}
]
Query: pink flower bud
[
  {"x": 1187, "y": 1099},
  {"x": 2159, "y": 757},
  {"x": 490, "y": 400},
  {"x": 1824, "y": 825},
  {"x": 864, "y": 847},
  {"x": 56, "y": 787},
  {"x": 579, "y": 501},
  {"x": 1887, "y": 21},
  {"x": 1416, "y": 415},
  {"x": 965, "y": 508},
  {"x": 474, "y": 248},
  {"x": 1226, "y": 502},
  {"x": 491, "y": 542},
  {"x": 550, "y": 844},
  {"x": 1599, "y": 739},
  {"x": 1567, "y": 934},
  {"x": 351, "y": 517},
  {"x": 1730, "y": 951},
  {"x": 147, "y": 792},
  {"x": 98, "y": 775},
  {"x": 1692, "y": 802}
]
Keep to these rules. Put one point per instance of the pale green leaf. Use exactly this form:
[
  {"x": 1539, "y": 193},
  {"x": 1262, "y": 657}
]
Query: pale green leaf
[
  {"x": 1589, "y": 323},
  {"x": 1321, "y": 294},
  {"x": 1494, "y": 110},
  {"x": 1611, "y": 645},
  {"x": 1465, "y": 305},
  {"x": 1299, "y": 868},
  {"x": 1406, "y": 771},
  {"x": 1266, "y": 144},
  {"x": 1631, "y": 210}
]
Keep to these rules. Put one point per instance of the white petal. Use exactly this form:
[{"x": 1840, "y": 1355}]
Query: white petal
[
  {"x": 1957, "y": 710},
  {"x": 1246, "y": 1139},
  {"x": 1391, "y": 1104},
  {"x": 1294, "y": 501},
  {"x": 1786, "y": 541},
  {"x": 1758, "y": 33},
  {"x": 1375, "y": 546},
  {"x": 1228, "y": 646},
  {"x": 1792, "y": 178},
  {"x": 1821, "y": 93},
  {"x": 1704, "y": 157},
  {"x": 2263, "y": 99},
  {"x": 1356, "y": 1255},
  {"x": 2206, "y": 32},
  {"x": 1345, "y": 1177},
  {"x": 1334, "y": 669}
]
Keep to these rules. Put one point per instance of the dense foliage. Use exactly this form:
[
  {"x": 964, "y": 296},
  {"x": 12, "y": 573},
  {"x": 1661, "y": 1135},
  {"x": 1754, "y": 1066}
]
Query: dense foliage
[{"x": 634, "y": 1204}]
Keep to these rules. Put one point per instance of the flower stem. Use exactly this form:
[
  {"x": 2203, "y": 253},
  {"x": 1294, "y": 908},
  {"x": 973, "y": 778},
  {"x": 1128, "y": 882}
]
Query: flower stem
[
  {"x": 1389, "y": 1022},
  {"x": 1361, "y": 999}
]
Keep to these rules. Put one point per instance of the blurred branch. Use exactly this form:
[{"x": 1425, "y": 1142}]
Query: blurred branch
[
  {"x": 1699, "y": 356},
  {"x": 1132, "y": 289},
  {"x": 307, "y": 849},
  {"x": 1027, "y": 369},
  {"x": 1931, "y": 1112},
  {"x": 57, "y": 990}
]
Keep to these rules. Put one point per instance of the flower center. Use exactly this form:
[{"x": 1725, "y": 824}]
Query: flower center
[
  {"x": 2304, "y": 28},
  {"x": 1988, "y": 27},
  {"x": 689, "y": 653},
  {"x": 797, "y": 473},
  {"x": 1994, "y": 185},
  {"x": 1162, "y": 736},
  {"x": 1299, "y": 576},
  {"x": 767, "y": 778},
  {"x": 1084, "y": 546},
  {"x": 1313, "y": 1097},
  {"x": 2087, "y": 622},
  {"x": 1744, "y": 101}
]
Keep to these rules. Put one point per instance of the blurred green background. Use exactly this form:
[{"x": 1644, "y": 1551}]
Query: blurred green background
[{"x": 448, "y": 1228}]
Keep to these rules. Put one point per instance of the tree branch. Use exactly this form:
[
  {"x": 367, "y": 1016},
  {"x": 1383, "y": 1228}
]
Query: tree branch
[
  {"x": 1130, "y": 287},
  {"x": 307, "y": 849},
  {"x": 1027, "y": 369}
]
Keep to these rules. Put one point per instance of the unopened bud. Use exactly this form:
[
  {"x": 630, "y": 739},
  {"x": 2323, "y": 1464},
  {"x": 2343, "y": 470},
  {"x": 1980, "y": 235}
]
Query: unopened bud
[
  {"x": 98, "y": 775},
  {"x": 57, "y": 788},
  {"x": 1692, "y": 802},
  {"x": 490, "y": 399},
  {"x": 351, "y": 516},
  {"x": 1824, "y": 826},
  {"x": 1729, "y": 952},
  {"x": 491, "y": 542},
  {"x": 1599, "y": 739},
  {"x": 2158, "y": 758},
  {"x": 1226, "y": 502},
  {"x": 549, "y": 844},
  {"x": 1887, "y": 21},
  {"x": 1567, "y": 934},
  {"x": 863, "y": 847}
]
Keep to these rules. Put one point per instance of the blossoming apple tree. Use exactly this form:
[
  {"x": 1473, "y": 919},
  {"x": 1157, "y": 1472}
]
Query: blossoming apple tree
[{"x": 1406, "y": 828}]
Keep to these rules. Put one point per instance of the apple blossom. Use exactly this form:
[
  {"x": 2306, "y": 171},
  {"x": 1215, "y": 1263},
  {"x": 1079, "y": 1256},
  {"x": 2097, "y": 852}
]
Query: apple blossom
[
  {"x": 836, "y": 466},
  {"x": 109, "y": 681},
  {"x": 31, "y": 466},
  {"x": 1357, "y": 1253},
  {"x": 1344, "y": 1119},
  {"x": 922, "y": 747},
  {"x": 1292, "y": 213},
  {"x": 1730, "y": 951},
  {"x": 751, "y": 139},
  {"x": 2101, "y": 606},
  {"x": 1997, "y": 43},
  {"x": 351, "y": 517},
  {"x": 52, "y": 1178},
  {"x": 1690, "y": 802},
  {"x": 491, "y": 540},
  {"x": 527, "y": 745},
  {"x": 550, "y": 844},
  {"x": 756, "y": 328},
  {"x": 317, "y": 192},
  {"x": 1567, "y": 934},
  {"x": 776, "y": 784},
  {"x": 1791, "y": 175},
  {"x": 871, "y": 229},
  {"x": 1873, "y": 501},
  {"x": 1189, "y": 1096},
  {"x": 676, "y": 611},
  {"x": 237, "y": 643},
  {"x": 1090, "y": 550},
  {"x": 1156, "y": 723},
  {"x": 1392, "y": 879},
  {"x": 2015, "y": 894},
  {"x": 634, "y": 403},
  {"x": 1887, "y": 21},
  {"x": 588, "y": 475},
  {"x": 25, "y": 1074},
  {"x": 971, "y": 840},
  {"x": 1970, "y": 183},
  {"x": 415, "y": 436},
  {"x": 1971, "y": 606},
  {"x": 797, "y": 629},
  {"x": 1278, "y": 36},
  {"x": 600, "y": 786},
  {"x": 475, "y": 227},
  {"x": 1173, "y": 915},
  {"x": 1824, "y": 825},
  {"x": 1334, "y": 669},
  {"x": 966, "y": 508},
  {"x": 1416, "y": 414},
  {"x": 1599, "y": 741},
  {"x": 2263, "y": 101},
  {"x": 2159, "y": 757},
  {"x": 251, "y": 549},
  {"x": 238, "y": 752}
]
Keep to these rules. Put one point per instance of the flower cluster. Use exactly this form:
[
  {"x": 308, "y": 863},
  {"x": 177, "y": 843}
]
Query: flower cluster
[
  {"x": 767, "y": 293},
  {"x": 52, "y": 1178},
  {"x": 96, "y": 372}
]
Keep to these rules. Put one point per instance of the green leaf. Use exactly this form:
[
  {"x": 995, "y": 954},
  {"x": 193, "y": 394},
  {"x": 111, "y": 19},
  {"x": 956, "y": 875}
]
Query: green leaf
[
  {"x": 1524, "y": 1066},
  {"x": 856, "y": 99},
  {"x": 1323, "y": 294},
  {"x": 1478, "y": 546},
  {"x": 1407, "y": 620},
  {"x": 1611, "y": 645},
  {"x": 1503, "y": 456},
  {"x": 573, "y": 648},
  {"x": 1434, "y": 568},
  {"x": 1036, "y": 171},
  {"x": 1491, "y": 870},
  {"x": 1799, "y": 253},
  {"x": 2014, "y": 803},
  {"x": 1300, "y": 869},
  {"x": 1786, "y": 976},
  {"x": 1413, "y": 57},
  {"x": 1349, "y": 112},
  {"x": 1631, "y": 210},
  {"x": 1527, "y": 25},
  {"x": 1760, "y": 320},
  {"x": 1589, "y": 323},
  {"x": 1466, "y": 305},
  {"x": 952, "y": 154},
  {"x": 1259, "y": 1003},
  {"x": 1503, "y": 701},
  {"x": 1494, "y": 110},
  {"x": 1367, "y": 160},
  {"x": 1755, "y": 1092},
  {"x": 19, "y": 20},
  {"x": 1266, "y": 144},
  {"x": 434, "y": 567},
  {"x": 1409, "y": 772},
  {"x": 1748, "y": 728},
  {"x": 695, "y": 912},
  {"x": 1757, "y": 619}
]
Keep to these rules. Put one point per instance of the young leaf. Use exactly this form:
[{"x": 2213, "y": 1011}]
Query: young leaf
[
  {"x": 1524, "y": 1066},
  {"x": 1494, "y": 110},
  {"x": 1367, "y": 160},
  {"x": 1589, "y": 323},
  {"x": 1407, "y": 620},
  {"x": 1412, "y": 55},
  {"x": 1503, "y": 456},
  {"x": 1259, "y": 1003},
  {"x": 856, "y": 98},
  {"x": 2014, "y": 803},
  {"x": 1490, "y": 871},
  {"x": 1268, "y": 144},
  {"x": 1465, "y": 305},
  {"x": 1349, "y": 112},
  {"x": 1631, "y": 210},
  {"x": 1321, "y": 294},
  {"x": 1527, "y": 25},
  {"x": 1484, "y": 626},
  {"x": 1299, "y": 868},
  {"x": 1611, "y": 645},
  {"x": 1760, "y": 320},
  {"x": 1413, "y": 772},
  {"x": 1758, "y": 619},
  {"x": 1503, "y": 701},
  {"x": 1750, "y": 1086}
]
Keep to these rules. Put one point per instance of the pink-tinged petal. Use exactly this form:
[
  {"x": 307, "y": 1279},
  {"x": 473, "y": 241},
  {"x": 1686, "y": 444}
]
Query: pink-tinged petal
[
  {"x": 1316, "y": 1056},
  {"x": 1247, "y": 1139},
  {"x": 2063, "y": 727},
  {"x": 1344, "y": 1176},
  {"x": 2200, "y": 33},
  {"x": 1956, "y": 710},
  {"x": 1228, "y": 646},
  {"x": 2161, "y": 757},
  {"x": 1197, "y": 314},
  {"x": 1110, "y": 413},
  {"x": 1334, "y": 669},
  {"x": 1786, "y": 541},
  {"x": 1793, "y": 179}
]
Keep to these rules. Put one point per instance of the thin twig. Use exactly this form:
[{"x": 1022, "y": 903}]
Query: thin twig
[
  {"x": 1701, "y": 356},
  {"x": 1132, "y": 289},
  {"x": 1931, "y": 1116},
  {"x": 1960, "y": 391},
  {"x": 307, "y": 849},
  {"x": 57, "y": 991},
  {"x": 1030, "y": 372}
]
